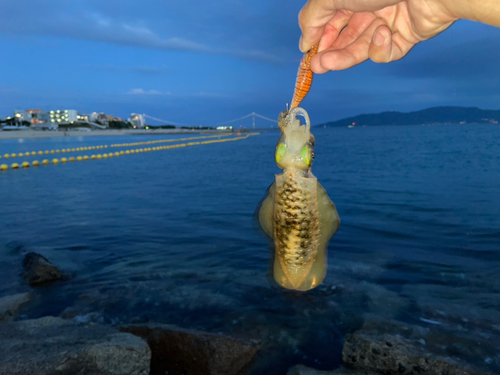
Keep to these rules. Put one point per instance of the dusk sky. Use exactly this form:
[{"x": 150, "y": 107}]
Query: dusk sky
[{"x": 204, "y": 63}]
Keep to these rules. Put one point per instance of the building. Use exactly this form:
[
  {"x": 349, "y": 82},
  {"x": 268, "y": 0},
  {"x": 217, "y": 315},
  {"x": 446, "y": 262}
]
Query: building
[
  {"x": 64, "y": 116},
  {"x": 34, "y": 116},
  {"x": 137, "y": 121},
  {"x": 98, "y": 117}
]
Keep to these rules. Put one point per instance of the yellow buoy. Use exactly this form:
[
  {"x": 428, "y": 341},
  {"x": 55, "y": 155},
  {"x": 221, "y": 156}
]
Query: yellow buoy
[
  {"x": 35, "y": 163},
  {"x": 99, "y": 156},
  {"x": 64, "y": 160},
  {"x": 25, "y": 164},
  {"x": 45, "y": 162},
  {"x": 40, "y": 152},
  {"x": 117, "y": 153},
  {"x": 63, "y": 150},
  {"x": 110, "y": 154},
  {"x": 52, "y": 152},
  {"x": 93, "y": 157},
  {"x": 55, "y": 161},
  {"x": 122, "y": 153},
  {"x": 57, "y": 151},
  {"x": 71, "y": 158},
  {"x": 85, "y": 157},
  {"x": 13, "y": 155},
  {"x": 6, "y": 156},
  {"x": 72, "y": 150},
  {"x": 46, "y": 151},
  {"x": 79, "y": 158},
  {"x": 127, "y": 152},
  {"x": 105, "y": 146},
  {"x": 4, "y": 167},
  {"x": 20, "y": 154}
]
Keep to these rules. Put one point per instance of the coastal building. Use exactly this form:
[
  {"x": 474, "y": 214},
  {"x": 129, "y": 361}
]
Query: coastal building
[
  {"x": 34, "y": 116},
  {"x": 64, "y": 116},
  {"x": 98, "y": 117},
  {"x": 137, "y": 120}
]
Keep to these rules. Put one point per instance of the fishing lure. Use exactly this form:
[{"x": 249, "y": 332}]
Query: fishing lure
[
  {"x": 304, "y": 77},
  {"x": 297, "y": 213}
]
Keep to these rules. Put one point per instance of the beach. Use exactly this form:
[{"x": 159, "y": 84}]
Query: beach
[{"x": 17, "y": 134}]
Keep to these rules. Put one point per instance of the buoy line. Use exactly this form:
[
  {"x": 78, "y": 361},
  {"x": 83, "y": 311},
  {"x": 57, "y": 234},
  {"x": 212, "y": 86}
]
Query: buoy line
[
  {"x": 167, "y": 140},
  {"x": 90, "y": 148},
  {"x": 36, "y": 163}
]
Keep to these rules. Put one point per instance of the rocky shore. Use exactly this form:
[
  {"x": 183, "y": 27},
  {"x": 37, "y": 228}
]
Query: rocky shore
[{"x": 80, "y": 341}]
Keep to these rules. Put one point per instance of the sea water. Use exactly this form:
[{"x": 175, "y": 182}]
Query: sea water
[{"x": 171, "y": 237}]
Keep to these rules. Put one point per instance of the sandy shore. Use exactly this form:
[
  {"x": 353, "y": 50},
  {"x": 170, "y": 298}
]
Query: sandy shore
[{"x": 57, "y": 134}]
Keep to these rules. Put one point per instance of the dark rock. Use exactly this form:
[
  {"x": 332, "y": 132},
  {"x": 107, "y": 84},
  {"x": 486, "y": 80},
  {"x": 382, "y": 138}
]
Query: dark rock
[
  {"x": 10, "y": 305},
  {"x": 398, "y": 354},
  {"x": 304, "y": 370},
  {"x": 177, "y": 351},
  {"x": 53, "y": 346},
  {"x": 39, "y": 271}
]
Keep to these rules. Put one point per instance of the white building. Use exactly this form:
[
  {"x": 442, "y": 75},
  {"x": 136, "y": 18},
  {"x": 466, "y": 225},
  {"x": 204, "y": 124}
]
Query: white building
[
  {"x": 33, "y": 116},
  {"x": 64, "y": 116},
  {"x": 137, "y": 120},
  {"x": 98, "y": 117}
]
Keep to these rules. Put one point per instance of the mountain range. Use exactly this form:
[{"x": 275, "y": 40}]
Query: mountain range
[{"x": 435, "y": 115}]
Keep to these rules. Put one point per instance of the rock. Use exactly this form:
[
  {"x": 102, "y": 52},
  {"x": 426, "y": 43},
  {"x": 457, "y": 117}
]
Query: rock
[
  {"x": 177, "y": 351},
  {"x": 304, "y": 370},
  {"x": 371, "y": 350},
  {"x": 38, "y": 270},
  {"x": 10, "y": 305},
  {"x": 53, "y": 346}
]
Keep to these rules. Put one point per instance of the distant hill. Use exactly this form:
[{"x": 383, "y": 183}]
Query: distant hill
[{"x": 436, "y": 115}]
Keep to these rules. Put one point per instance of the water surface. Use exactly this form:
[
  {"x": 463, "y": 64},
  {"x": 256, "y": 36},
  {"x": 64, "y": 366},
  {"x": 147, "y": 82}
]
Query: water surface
[{"x": 170, "y": 236}]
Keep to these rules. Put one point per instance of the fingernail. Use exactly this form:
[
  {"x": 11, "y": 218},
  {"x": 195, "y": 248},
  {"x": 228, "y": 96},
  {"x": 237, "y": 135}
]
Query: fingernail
[
  {"x": 378, "y": 39},
  {"x": 300, "y": 44}
]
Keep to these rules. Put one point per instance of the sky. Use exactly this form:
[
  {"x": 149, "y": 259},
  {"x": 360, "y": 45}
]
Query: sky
[{"x": 207, "y": 62}]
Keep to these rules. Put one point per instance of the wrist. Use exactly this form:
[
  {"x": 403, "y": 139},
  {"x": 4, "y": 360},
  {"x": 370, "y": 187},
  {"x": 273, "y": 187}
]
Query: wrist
[{"x": 485, "y": 11}]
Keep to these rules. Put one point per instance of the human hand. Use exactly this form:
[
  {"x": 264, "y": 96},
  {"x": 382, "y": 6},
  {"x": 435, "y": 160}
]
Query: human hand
[{"x": 352, "y": 31}]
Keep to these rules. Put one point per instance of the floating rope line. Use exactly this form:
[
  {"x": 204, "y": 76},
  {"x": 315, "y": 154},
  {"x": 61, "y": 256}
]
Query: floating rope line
[
  {"x": 89, "y": 148},
  {"x": 36, "y": 163},
  {"x": 168, "y": 140}
]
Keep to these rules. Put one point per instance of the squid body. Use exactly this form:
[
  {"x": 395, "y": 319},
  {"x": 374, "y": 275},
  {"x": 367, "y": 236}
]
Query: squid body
[{"x": 297, "y": 213}]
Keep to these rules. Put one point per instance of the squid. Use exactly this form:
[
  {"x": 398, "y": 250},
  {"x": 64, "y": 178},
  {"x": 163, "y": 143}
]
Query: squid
[{"x": 297, "y": 213}]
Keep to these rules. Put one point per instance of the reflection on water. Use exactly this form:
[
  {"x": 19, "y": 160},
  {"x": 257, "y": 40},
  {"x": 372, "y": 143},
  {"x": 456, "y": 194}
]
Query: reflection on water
[{"x": 169, "y": 237}]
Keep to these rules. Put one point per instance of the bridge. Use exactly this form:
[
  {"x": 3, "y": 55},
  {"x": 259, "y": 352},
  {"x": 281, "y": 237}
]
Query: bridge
[{"x": 253, "y": 115}]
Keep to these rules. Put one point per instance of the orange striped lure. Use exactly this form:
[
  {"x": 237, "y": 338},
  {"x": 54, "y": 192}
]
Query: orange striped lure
[{"x": 304, "y": 77}]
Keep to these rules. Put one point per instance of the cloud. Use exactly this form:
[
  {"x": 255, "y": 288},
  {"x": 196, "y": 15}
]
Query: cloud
[
  {"x": 145, "y": 92},
  {"x": 141, "y": 70},
  {"x": 84, "y": 22},
  {"x": 476, "y": 59}
]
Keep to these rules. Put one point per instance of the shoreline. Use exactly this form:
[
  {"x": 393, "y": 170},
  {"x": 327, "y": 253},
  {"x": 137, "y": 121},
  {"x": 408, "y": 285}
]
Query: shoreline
[{"x": 19, "y": 134}]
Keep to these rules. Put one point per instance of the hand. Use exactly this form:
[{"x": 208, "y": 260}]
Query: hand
[{"x": 352, "y": 31}]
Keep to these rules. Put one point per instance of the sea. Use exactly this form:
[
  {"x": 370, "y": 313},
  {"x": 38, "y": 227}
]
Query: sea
[{"x": 171, "y": 237}]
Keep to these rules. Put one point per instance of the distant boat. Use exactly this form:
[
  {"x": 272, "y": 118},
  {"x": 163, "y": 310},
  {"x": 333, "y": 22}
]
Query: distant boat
[{"x": 352, "y": 125}]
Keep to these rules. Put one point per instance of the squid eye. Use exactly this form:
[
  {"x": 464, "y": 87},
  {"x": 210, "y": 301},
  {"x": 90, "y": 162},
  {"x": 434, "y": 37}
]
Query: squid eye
[
  {"x": 280, "y": 152},
  {"x": 307, "y": 154}
]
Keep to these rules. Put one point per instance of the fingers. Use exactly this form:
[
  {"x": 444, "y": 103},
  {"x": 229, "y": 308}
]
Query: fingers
[
  {"x": 333, "y": 28},
  {"x": 316, "y": 14},
  {"x": 376, "y": 42},
  {"x": 358, "y": 23},
  {"x": 386, "y": 47},
  {"x": 312, "y": 21}
]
